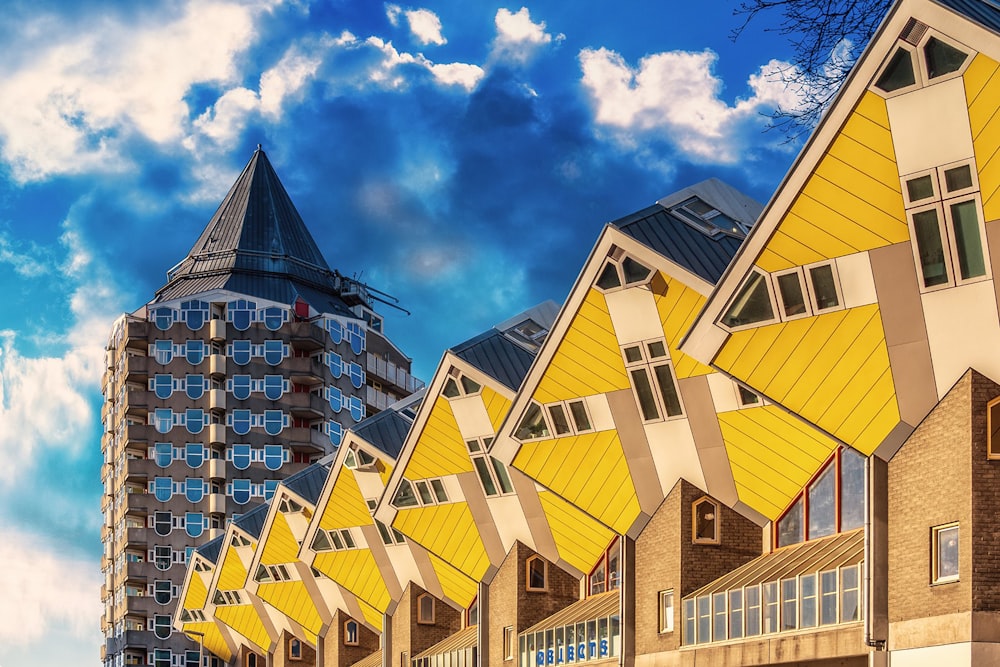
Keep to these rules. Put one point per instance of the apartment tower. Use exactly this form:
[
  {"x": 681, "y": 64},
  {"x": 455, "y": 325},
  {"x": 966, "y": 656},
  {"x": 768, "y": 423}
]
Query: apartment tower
[{"x": 245, "y": 367}]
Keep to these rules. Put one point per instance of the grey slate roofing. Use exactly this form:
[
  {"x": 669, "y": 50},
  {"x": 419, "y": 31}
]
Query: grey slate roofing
[
  {"x": 498, "y": 356},
  {"x": 387, "y": 431},
  {"x": 212, "y": 549},
  {"x": 984, "y": 12},
  {"x": 681, "y": 243},
  {"x": 253, "y": 521},
  {"x": 308, "y": 483},
  {"x": 257, "y": 244}
]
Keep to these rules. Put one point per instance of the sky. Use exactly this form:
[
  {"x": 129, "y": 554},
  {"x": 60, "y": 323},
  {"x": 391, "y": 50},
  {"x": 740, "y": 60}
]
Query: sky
[{"x": 462, "y": 157}]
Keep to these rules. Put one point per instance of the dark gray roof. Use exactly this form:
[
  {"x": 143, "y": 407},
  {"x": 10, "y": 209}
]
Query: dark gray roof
[
  {"x": 212, "y": 549},
  {"x": 257, "y": 244},
  {"x": 387, "y": 431},
  {"x": 683, "y": 244},
  {"x": 308, "y": 483},
  {"x": 498, "y": 356},
  {"x": 984, "y": 12},
  {"x": 253, "y": 521}
]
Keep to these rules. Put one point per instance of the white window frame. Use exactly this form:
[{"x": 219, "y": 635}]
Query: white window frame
[
  {"x": 775, "y": 309},
  {"x": 812, "y": 302},
  {"x": 650, "y": 364},
  {"x": 665, "y": 613},
  {"x": 936, "y": 532}
]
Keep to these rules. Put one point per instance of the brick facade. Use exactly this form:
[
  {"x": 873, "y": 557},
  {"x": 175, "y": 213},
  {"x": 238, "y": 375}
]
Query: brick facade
[
  {"x": 410, "y": 637},
  {"x": 337, "y": 653}
]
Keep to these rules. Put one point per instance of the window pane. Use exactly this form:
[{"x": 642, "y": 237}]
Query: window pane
[
  {"x": 789, "y": 602},
  {"x": 404, "y": 496},
  {"x": 849, "y": 594},
  {"x": 502, "y": 476},
  {"x": 438, "y": 487},
  {"x": 753, "y": 304},
  {"x": 899, "y": 73},
  {"x": 609, "y": 277},
  {"x": 807, "y": 610},
  {"x": 532, "y": 425},
  {"x": 747, "y": 397},
  {"x": 719, "y": 618},
  {"x": 668, "y": 391},
  {"x": 425, "y": 493},
  {"x": 559, "y": 421},
  {"x": 852, "y": 489},
  {"x": 647, "y": 404},
  {"x": 930, "y": 249},
  {"x": 634, "y": 271},
  {"x": 704, "y": 619},
  {"x": 736, "y": 613},
  {"x": 633, "y": 354},
  {"x": 828, "y": 597},
  {"x": 824, "y": 287},
  {"x": 484, "y": 476},
  {"x": 965, "y": 222},
  {"x": 790, "y": 525},
  {"x": 947, "y": 553},
  {"x": 705, "y": 521},
  {"x": 921, "y": 187},
  {"x": 793, "y": 301},
  {"x": 666, "y": 611},
  {"x": 579, "y": 412},
  {"x": 656, "y": 349},
  {"x": 822, "y": 508},
  {"x": 958, "y": 178},
  {"x": 470, "y": 386},
  {"x": 942, "y": 58},
  {"x": 752, "y": 595}
]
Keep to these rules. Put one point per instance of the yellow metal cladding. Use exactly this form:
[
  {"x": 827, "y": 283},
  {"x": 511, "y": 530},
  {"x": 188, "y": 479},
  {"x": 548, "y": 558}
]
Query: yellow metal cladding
[
  {"x": 589, "y": 470},
  {"x": 292, "y": 599},
  {"x": 346, "y": 507},
  {"x": 497, "y": 407},
  {"x": 197, "y": 593},
  {"x": 371, "y": 615},
  {"x": 355, "y": 570},
  {"x": 982, "y": 90},
  {"x": 233, "y": 575},
  {"x": 588, "y": 360},
  {"x": 455, "y": 585},
  {"x": 678, "y": 309},
  {"x": 243, "y": 618},
  {"x": 772, "y": 455},
  {"x": 281, "y": 545},
  {"x": 832, "y": 369},
  {"x": 851, "y": 202},
  {"x": 385, "y": 472},
  {"x": 440, "y": 450},
  {"x": 450, "y": 532},
  {"x": 579, "y": 538},
  {"x": 211, "y": 637}
]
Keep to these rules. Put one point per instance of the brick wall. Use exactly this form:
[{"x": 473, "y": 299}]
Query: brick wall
[
  {"x": 413, "y": 637},
  {"x": 985, "y": 502},
  {"x": 337, "y": 654},
  {"x": 666, "y": 558},
  {"x": 282, "y": 656},
  {"x": 930, "y": 483},
  {"x": 511, "y": 604}
]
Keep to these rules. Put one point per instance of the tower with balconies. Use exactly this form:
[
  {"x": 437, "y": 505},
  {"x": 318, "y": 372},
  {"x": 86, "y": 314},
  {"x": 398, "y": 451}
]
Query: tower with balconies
[{"x": 246, "y": 366}]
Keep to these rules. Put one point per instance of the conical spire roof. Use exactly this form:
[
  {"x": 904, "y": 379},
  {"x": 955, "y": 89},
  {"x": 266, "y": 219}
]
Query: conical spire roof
[{"x": 257, "y": 244}]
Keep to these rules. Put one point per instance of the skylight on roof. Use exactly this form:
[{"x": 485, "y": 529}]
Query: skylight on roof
[{"x": 706, "y": 218}]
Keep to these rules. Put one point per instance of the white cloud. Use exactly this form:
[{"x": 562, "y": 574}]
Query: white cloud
[
  {"x": 392, "y": 12},
  {"x": 65, "y": 385},
  {"x": 29, "y": 264},
  {"x": 675, "y": 95},
  {"x": 67, "y": 108},
  {"x": 425, "y": 26},
  {"x": 518, "y": 37},
  {"x": 44, "y": 590},
  {"x": 458, "y": 74}
]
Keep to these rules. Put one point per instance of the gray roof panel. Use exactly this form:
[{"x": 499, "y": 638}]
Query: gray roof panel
[
  {"x": 253, "y": 521},
  {"x": 308, "y": 483},
  {"x": 387, "y": 431},
  {"x": 498, "y": 356},
  {"x": 212, "y": 549}
]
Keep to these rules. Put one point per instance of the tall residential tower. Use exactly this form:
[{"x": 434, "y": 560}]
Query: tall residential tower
[{"x": 246, "y": 366}]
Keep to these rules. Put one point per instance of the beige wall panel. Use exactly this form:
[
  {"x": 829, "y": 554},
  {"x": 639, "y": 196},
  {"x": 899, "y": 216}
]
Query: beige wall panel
[
  {"x": 953, "y": 655},
  {"x": 856, "y": 281},
  {"x": 954, "y": 349},
  {"x": 404, "y": 565},
  {"x": 527, "y": 490},
  {"x": 369, "y": 483},
  {"x": 632, "y": 435},
  {"x": 600, "y": 412},
  {"x": 675, "y": 454},
  {"x": 930, "y": 126},
  {"x": 723, "y": 392},
  {"x": 508, "y": 517},
  {"x": 634, "y": 315},
  {"x": 993, "y": 246},
  {"x": 913, "y": 375},
  {"x": 471, "y": 416},
  {"x": 453, "y": 488},
  {"x": 711, "y": 447}
]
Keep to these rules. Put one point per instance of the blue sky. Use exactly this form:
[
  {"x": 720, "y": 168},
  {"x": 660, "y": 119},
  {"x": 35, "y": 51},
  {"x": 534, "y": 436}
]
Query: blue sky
[{"x": 460, "y": 156}]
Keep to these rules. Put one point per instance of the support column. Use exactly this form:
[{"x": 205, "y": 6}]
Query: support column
[
  {"x": 320, "y": 651},
  {"x": 483, "y": 632},
  {"x": 627, "y": 601}
]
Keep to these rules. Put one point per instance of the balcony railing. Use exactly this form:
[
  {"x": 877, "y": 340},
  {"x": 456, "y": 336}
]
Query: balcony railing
[{"x": 390, "y": 372}]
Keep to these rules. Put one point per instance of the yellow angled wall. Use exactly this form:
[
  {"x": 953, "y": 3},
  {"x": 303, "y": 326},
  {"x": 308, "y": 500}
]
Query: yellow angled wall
[
  {"x": 292, "y": 599},
  {"x": 589, "y": 470},
  {"x": 588, "y": 360},
  {"x": 578, "y": 537},
  {"x": 455, "y": 585},
  {"x": 243, "y": 619},
  {"x": 497, "y": 407},
  {"x": 197, "y": 593},
  {"x": 233, "y": 575},
  {"x": 281, "y": 545},
  {"x": 851, "y": 202},
  {"x": 772, "y": 455},
  {"x": 982, "y": 90},
  {"x": 346, "y": 507},
  {"x": 678, "y": 309},
  {"x": 832, "y": 369},
  {"x": 212, "y": 638},
  {"x": 355, "y": 570},
  {"x": 450, "y": 532},
  {"x": 440, "y": 450},
  {"x": 372, "y": 616}
]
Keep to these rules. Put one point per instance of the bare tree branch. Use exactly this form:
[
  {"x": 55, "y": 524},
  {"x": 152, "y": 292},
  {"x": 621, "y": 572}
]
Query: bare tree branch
[{"x": 826, "y": 36}]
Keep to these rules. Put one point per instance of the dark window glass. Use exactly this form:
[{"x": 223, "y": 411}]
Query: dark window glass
[
  {"x": 793, "y": 301},
  {"x": 921, "y": 187},
  {"x": 942, "y": 58},
  {"x": 930, "y": 248},
  {"x": 899, "y": 73},
  {"x": 405, "y": 496},
  {"x": 559, "y": 421},
  {"x": 668, "y": 390},
  {"x": 647, "y": 404},
  {"x": 609, "y": 277},
  {"x": 790, "y": 526},
  {"x": 852, "y": 489},
  {"x": 752, "y": 304},
  {"x": 965, "y": 222},
  {"x": 824, "y": 287},
  {"x": 489, "y": 487},
  {"x": 822, "y": 504},
  {"x": 579, "y": 412},
  {"x": 634, "y": 271},
  {"x": 502, "y": 476},
  {"x": 958, "y": 178},
  {"x": 532, "y": 425}
]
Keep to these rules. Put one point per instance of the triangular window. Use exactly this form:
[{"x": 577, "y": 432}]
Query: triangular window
[{"x": 899, "y": 72}]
